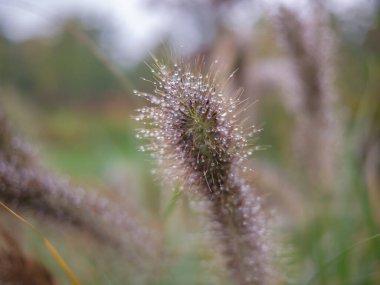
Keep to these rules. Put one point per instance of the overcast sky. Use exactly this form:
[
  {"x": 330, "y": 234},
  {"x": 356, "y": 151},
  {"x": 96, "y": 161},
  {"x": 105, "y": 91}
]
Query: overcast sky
[{"x": 136, "y": 27}]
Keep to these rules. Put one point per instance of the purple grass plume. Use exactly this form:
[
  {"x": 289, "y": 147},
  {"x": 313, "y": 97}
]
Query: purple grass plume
[
  {"x": 29, "y": 188},
  {"x": 194, "y": 134},
  {"x": 309, "y": 43}
]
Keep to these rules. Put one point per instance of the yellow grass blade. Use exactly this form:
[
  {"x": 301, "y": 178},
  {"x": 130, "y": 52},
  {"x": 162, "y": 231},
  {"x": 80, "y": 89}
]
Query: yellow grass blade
[
  {"x": 58, "y": 258},
  {"x": 61, "y": 262}
]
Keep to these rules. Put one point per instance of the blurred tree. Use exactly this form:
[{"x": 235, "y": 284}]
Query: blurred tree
[{"x": 56, "y": 69}]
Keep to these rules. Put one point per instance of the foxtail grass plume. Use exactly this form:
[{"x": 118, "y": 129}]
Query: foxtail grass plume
[
  {"x": 310, "y": 45},
  {"x": 193, "y": 132},
  {"x": 28, "y": 187}
]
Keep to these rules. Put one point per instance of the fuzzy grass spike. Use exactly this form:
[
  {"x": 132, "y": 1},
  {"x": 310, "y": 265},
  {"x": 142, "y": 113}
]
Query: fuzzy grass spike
[{"x": 195, "y": 136}]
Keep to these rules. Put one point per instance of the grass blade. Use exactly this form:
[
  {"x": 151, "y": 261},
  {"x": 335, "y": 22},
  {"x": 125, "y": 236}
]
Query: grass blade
[{"x": 58, "y": 258}]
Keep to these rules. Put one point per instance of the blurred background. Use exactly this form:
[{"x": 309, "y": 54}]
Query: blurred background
[{"x": 67, "y": 74}]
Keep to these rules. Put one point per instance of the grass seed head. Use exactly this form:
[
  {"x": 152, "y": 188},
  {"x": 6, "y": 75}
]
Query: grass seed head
[
  {"x": 193, "y": 132},
  {"x": 192, "y": 127}
]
